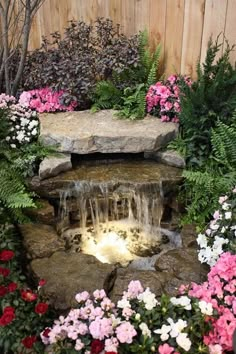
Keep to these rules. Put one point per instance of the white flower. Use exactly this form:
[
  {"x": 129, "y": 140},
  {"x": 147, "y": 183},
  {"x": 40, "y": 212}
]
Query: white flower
[
  {"x": 213, "y": 225},
  {"x": 24, "y": 121},
  {"x": 20, "y": 136},
  {"x": 34, "y": 131},
  {"x": 205, "y": 307},
  {"x": 124, "y": 303},
  {"x": 13, "y": 146},
  {"x": 202, "y": 240},
  {"x": 137, "y": 316},
  {"x": 183, "y": 301},
  {"x": 145, "y": 330},
  {"x": 8, "y": 138},
  {"x": 13, "y": 118},
  {"x": 225, "y": 206},
  {"x": 176, "y": 327},
  {"x": 223, "y": 229},
  {"x": 183, "y": 341},
  {"x": 164, "y": 332},
  {"x": 148, "y": 298},
  {"x": 228, "y": 215}
]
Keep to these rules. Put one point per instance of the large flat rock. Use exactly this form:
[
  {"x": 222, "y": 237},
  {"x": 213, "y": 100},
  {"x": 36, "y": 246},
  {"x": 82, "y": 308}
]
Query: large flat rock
[{"x": 85, "y": 133}]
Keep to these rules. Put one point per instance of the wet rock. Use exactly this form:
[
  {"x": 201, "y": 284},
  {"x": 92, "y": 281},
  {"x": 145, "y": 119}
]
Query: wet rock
[
  {"x": 67, "y": 274},
  {"x": 154, "y": 280},
  {"x": 52, "y": 166},
  {"x": 182, "y": 264},
  {"x": 189, "y": 236},
  {"x": 43, "y": 214},
  {"x": 85, "y": 133},
  {"x": 40, "y": 240},
  {"x": 169, "y": 157}
]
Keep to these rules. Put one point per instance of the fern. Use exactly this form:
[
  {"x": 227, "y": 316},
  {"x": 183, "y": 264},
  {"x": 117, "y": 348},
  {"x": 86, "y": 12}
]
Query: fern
[
  {"x": 217, "y": 176},
  {"x": 126, "y": 91},
  {"x": 106, "y": 96}
]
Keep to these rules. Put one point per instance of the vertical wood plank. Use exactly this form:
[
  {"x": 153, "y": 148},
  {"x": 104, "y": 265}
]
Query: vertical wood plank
[
  {"x": 214, "y": 22},
  {"x": 141, "y": 15},
  {"x": 128, "y": 16},
  {"x": 192, "y": 36},
  {"x": 115, "y": 12},
  {"x": 157, "y": 27},
  {"x": 173, "y": 35},
  {"x": 230, "y": 29}
]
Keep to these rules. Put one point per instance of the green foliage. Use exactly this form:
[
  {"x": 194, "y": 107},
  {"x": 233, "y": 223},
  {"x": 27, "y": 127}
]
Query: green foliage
[
  {"x": 134, "y": 104},
  {"x": 106, "y": 96},
  {"x": 126, "y": 91},
  {"x": 217, "y": 176},
  {"x": 211, "y": 98},
  {"x": 15, "y": 166}
]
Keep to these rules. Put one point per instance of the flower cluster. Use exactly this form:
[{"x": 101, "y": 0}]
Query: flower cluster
[
  {"x": 45, "y": 100},
  {"x": 220, "y": 236},
  {"x": 139, "y": 323},
  {"x": 163, "y": 99},
  {"x": 22, "y": 311},
  {"x": 23, "y": 122},
  {"x": 219, "y": 291}
]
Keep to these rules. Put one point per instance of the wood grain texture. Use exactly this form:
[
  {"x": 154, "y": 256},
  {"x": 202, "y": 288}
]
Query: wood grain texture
[
  {"x": 192, "y": 35},
  {"x": 173, "y": 35},
  {"x": 214, "y": 22},
  {"x": 183, "y": 27},
  {"x": 230, "y": 27}
]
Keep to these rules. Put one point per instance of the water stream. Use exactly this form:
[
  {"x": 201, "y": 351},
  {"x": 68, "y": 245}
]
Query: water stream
[{"x": 118, "y": 218}]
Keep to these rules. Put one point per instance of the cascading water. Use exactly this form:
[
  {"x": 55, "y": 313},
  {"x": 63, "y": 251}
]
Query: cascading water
[{"x": 117, "y": 218}]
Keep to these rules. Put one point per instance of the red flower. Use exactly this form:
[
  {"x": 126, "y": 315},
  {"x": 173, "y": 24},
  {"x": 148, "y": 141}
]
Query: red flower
[
  {"x": 8, "y": 316},
  {"x": 6, "y": 255},
  {"x": 4, "y": 271},
  {"x": 46, "y": 332},
  {"x": 29, "y": 341},
  {"x": 110, "y": 352},
  {"x": 28, "y": 295},
  {"x": 42, "y": 282},
  {"x": 96, "y": 346},
  {"x": 12, "y": 287},
  {"x": 3, "y": 290},
  {"x": 41, "y": 308}
]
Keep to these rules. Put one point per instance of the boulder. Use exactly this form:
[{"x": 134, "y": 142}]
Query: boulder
[
  {"x": 169, "y": 157},
  {"x": 52, "y": 166},
  {"x": 43, "y": 214},
  {"x": 67, "y": 274},
  {"x": 40, "y": 240},
  {"x": 154, "y": 280},
  {"x": 183, "y": 264},
  {"x": 189, "y": 236},
  {"x": 85, "y": 133}
]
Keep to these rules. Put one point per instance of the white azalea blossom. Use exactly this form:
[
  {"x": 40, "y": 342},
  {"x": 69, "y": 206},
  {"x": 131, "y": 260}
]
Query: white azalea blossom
[
  {"x": 164, "y": 332},
  {"x": 205, "y": 307},
  {"x": 183, "y": 341},
  {"x": 123, "y": 303},
  {"x": 183, "y": 301},
  {"x": 149, "y": 299},
  {"x": 145, "y": 330}
]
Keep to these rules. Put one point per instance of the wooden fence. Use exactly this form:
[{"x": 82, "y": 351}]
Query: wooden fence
[{"x": 182, "y": 26}]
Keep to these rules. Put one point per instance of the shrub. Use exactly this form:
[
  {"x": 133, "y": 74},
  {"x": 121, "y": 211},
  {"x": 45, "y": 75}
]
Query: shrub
[
  {"x": 210, "y": 99},
  {"x": 126, "y": 90},
  {"x": 74, "y": 64},
  {"x": 45, "y": 100},
  {"x": 163, "y": 98}
]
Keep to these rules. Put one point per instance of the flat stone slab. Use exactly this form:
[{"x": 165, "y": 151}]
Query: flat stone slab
[{"x": 85, "y": 133}]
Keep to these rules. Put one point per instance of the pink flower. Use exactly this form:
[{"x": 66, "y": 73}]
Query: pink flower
[
  {"x": 101, "y": 328},
  {"x": 82, "y": 297},
  {"x": 165, "y": 349},
  {"x": 125, "y": 332},
  {"x": 168, "y": 105},
  {"x": 134, "y": 289},
  {"x": 215, "y": 349}
]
